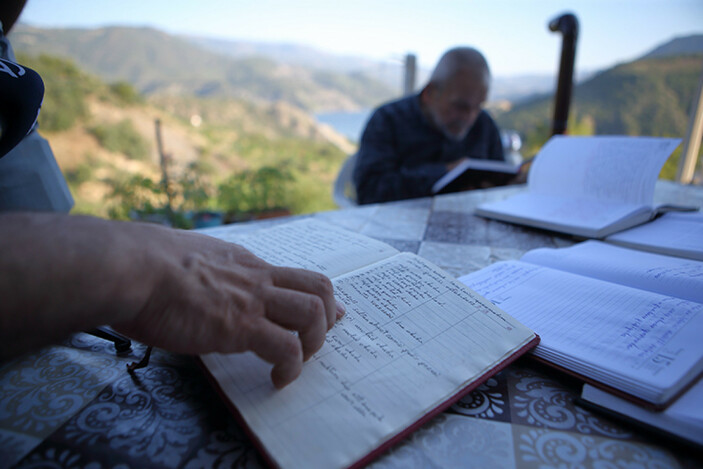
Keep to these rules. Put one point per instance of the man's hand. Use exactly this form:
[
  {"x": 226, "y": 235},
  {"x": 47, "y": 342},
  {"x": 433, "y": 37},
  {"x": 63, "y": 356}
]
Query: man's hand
[
  {"x": 211, "y": 295},
  {"x": 182, "y": 291}
]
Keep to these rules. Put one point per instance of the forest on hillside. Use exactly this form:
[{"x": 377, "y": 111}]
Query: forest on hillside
[
  {"x": 222, "y": 155},
  {"x": 651, "y": 96}
]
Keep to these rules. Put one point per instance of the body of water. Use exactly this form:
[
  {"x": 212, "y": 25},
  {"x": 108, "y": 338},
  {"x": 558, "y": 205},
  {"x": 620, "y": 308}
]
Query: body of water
[{"x": 349, "y": 124}]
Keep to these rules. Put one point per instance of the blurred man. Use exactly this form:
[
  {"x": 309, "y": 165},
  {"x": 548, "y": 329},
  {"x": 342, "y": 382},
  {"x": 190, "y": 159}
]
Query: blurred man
[{"x": 410, "y": 143}]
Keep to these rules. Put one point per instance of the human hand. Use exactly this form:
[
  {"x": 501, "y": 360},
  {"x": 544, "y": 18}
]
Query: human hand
[{"x": 208, "y": 295}]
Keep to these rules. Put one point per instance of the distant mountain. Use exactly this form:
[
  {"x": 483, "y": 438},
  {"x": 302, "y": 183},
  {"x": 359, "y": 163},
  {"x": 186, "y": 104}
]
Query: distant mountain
[
  {"x": 160, "y": 63},
  {"x": 388, "y": 71},
  {"x": 650, "y": 96},
  {"x": 391, "y": 71},
  {"x": 289, "y": 54},
  {"x": 157, "y": 63},
  {"x": 678, "y": 46}
]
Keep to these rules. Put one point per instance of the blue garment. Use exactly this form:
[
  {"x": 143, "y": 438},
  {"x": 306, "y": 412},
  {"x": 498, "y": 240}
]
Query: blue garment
[
  {"x": 30, "y": 178},
  {"x": 401, "y": 155}
]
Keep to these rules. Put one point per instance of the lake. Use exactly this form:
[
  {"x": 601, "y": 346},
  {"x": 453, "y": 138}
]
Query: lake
[{"x": 348, "y": 123}]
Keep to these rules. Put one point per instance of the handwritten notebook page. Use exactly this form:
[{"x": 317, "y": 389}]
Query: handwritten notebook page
[
  {"x": 590, "y": 181},
  {"x": 679, "y": 233},
  {"x": 616, "y": 169},
  {"x": 314, "y": 245},
  {"x": 566, "y": 211},
  {"x": 412, "y": 337},
  {"x": 633, "y": 340},
  {"x": 673, "y": 276}
]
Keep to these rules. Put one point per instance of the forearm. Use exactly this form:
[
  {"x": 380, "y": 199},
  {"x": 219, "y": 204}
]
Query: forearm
[
  {"x": 61, "y": 274},
  {"x": 178, "y": 290}
]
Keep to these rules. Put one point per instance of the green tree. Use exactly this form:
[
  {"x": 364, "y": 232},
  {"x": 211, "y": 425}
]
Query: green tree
[
  {"x": 255, "y": 190},
  {"x": 122, "y": 138},
  {"x": 194, "y": 190},
  {"x": 135, "y": 193},
  {"x": 125, "y": 93}
]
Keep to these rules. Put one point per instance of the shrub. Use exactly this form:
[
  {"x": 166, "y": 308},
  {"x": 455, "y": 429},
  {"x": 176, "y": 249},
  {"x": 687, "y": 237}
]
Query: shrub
[
  {"x": 255, "y": 190},
  {"x": 122, "y": 138},
  {"x": 125, "y": 93}
]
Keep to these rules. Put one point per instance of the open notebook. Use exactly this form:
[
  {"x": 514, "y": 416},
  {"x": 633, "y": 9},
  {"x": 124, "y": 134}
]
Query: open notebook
[
  {"x": 474, "y": 172},
  {"x": 627, "y": 320},
  {"x": 675, "y": 233},
  {"x": 683, "y": 420},
  {"x": 413, "y": 341},
  {"x": 588, "y": 186}
]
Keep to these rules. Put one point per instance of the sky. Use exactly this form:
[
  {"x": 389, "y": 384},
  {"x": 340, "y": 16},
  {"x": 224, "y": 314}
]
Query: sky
[{"x": 512, "y": 34}]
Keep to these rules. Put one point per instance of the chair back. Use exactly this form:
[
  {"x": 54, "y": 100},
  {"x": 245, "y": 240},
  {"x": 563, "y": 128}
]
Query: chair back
[{"x": 344, "y": 192}]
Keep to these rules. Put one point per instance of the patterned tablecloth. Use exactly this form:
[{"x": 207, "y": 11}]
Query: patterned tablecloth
[{"x": 75, "y": 405}]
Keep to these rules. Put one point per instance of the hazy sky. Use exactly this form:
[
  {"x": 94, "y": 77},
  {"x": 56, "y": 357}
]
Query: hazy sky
[{"x": 513, "y": 34}]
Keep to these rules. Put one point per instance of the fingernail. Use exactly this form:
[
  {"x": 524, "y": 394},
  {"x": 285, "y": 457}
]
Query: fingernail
[{"x": 341, "y": 310}]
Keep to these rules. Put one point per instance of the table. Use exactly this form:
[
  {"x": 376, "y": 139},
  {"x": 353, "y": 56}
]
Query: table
[{"x": 74, "y": 405}]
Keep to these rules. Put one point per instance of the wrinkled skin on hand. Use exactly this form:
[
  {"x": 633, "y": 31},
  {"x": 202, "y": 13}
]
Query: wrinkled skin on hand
[
  {"x": 178, "y": 290},
  {"x": 217, "y": 296}
]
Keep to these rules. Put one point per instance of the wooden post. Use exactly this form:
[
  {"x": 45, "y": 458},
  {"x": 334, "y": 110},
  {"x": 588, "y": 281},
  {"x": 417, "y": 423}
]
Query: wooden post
[
  {"x": 410, "y": 72},
  {"x": 163, "y": 161}
]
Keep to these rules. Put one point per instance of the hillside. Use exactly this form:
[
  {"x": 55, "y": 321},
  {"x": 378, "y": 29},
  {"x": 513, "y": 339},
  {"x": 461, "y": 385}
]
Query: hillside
[
  {"x": 678, "y": 46},
  {"x": 218, "y": 150},
  {"x": 646, "y": 97},
  {"x": 159, "y": 63}
]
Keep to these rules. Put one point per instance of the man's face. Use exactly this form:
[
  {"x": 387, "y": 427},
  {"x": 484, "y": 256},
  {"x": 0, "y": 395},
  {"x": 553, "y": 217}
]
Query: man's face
[{"x": 454, "y": 107}]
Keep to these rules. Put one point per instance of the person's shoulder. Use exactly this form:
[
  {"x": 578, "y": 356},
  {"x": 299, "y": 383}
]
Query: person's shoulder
[
  {"x": 404, "y": 105},
  {"x": 486, "y": 122},
  {"x": 485, "y": 117}
]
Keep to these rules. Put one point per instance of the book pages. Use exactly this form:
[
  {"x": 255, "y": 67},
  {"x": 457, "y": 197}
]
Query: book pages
[
  {"x": 676, "y": 234},
  {"x": 640, "y": 342},
  {"x": 412, "y": 338},
  {"x": 683, "y": 418},
  {"x": 673, "y": 276},
  {"x": 616, "y": 169},
  {"x": 587, "y": 186},
  {"x": 314, "y": 245}
]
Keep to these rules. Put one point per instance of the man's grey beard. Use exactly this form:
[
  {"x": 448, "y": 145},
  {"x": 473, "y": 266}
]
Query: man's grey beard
[
  {"x": 453, "y": 137},
  {"x": 437, "y": 125}
]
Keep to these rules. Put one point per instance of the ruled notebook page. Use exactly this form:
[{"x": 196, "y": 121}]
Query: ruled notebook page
[
  {"x": 593, "y": 167},
  {"x": 673, "y": 276},
  {"x": 314, "y": 245},
  {"x": 612, "y": 333},
  {"x": 576, "y": 184},
  {"x": 412, "y": 337},
  {"x": 678, "y": 233}
]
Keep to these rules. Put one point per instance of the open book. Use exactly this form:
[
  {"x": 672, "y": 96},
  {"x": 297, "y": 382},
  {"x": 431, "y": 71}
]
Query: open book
[
  {"x": 413, "y": 341},
  {"x": 588, "y": 186},
  {"x": 475, "y": 171},
  {"x": 674, "y": 233},
  {"x": 627, "y": 320},
  {"x": 683, "y": 419}
]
